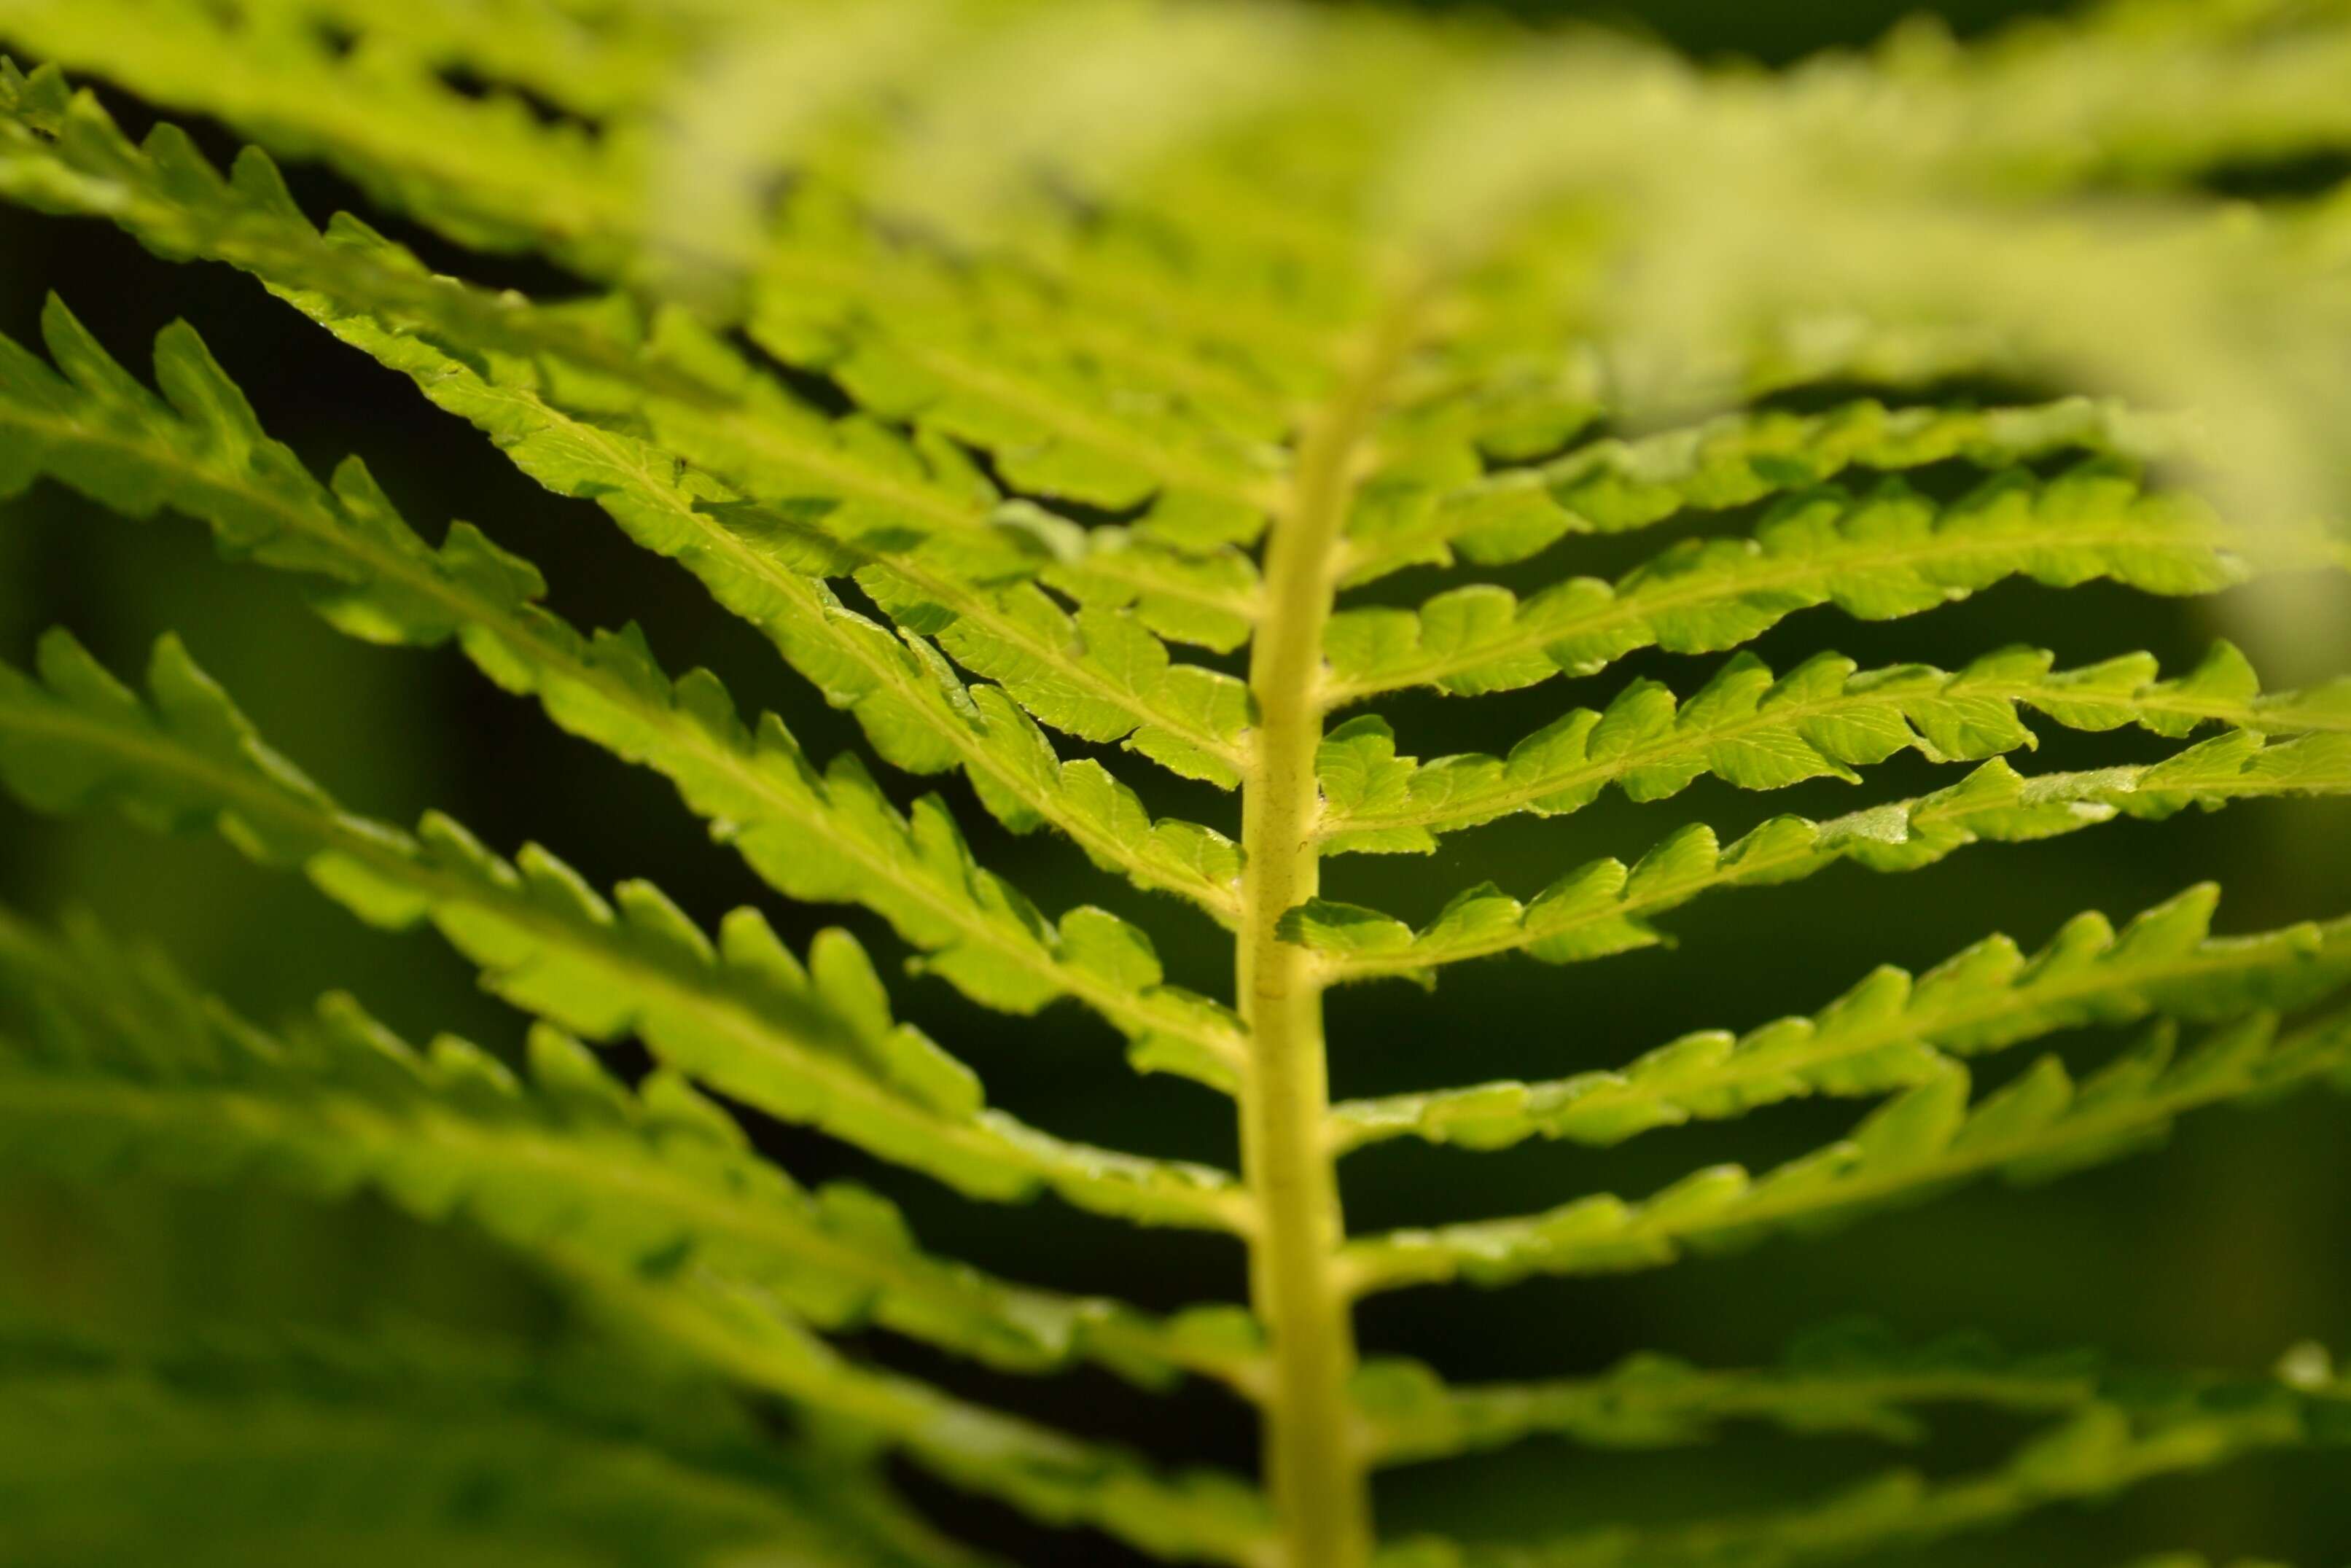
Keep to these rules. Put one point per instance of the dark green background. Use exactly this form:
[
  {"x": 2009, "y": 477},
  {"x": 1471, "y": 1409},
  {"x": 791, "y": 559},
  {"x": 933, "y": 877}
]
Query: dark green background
[{"x": 2224, "y": 1250}]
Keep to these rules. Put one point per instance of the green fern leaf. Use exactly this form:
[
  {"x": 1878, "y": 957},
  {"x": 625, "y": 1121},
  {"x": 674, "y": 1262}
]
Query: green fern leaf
[
  {"x": 1892, "y": 1031},
  {"x": 1846, "y": 1379},
  {"x": 1824, "y": 719},
  {"x": 1614, "y": 486},
  {"x": 1193, "y": 1515},
  {"x": 2104, "y": 1449},
  {"x": 2040, "y": 1124},
  {"x": 855, "y": 483},
  {"x": 205, "y": 455},
  {"x": 1602, "y": 908},
  {"x": 1890, "y": 554},
  {"x": 813, "y": 1044},
  {"x": 134, "y": 1071},
  {"x": 915, "y": 710},
  {"x": 394, "y": 1449}
]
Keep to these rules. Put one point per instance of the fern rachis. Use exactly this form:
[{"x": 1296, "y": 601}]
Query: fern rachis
[{"x": 1100, "y": 406}]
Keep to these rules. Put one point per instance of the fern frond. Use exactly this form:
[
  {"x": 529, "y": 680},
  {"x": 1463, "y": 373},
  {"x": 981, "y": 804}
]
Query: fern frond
[
  {"x": 2147, "y": 93},
  {"x": 915, "y": 710},
  {"x": 2039, "y": 1125},
  {"x": 837, "y": 497},
  {"x": 1602, "y": 908},
  {"x": 814, "y": 1045},
  {"x": 1848, "y": 1379},
  {"x": 1192, "y": 1515},
  {"x": 978, "y": 354},
  {"x": 830, "y": 836},
  {"x": 262, "y": 1451},
  {"x": 60, "y": 151},
  {"x": 562, "y": 190},
  {"x": 837, "y": 501},
  {"x": 481, "y": 170},
  {"x": 2107, "y": 1448},
  {"x": 402, "y": 136},
  {"x": 609, "y": 60},
  {"x": 1891, "y": 553},
  {"x": 1239, "y": 321},
  {"x": 1919, "y": 261},
  {"x": 943, "y": 359},
  {"x": 1615, "y": 486},
  {"x": 1892, "y": 1031},
  {"x": 577, "y": 1171},
  {"x": 519, "y": 184},
  {"x": 828, "y": 271},
  {"x": 1822, "y": 720},
  {"x": 127, "y": 1069}
]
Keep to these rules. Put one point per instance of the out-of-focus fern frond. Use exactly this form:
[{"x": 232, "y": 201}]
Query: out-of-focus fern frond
[
  {"x": 1847, "y": 1379},
  {"x": 1196, "y": 1515},
  {"x": 2108, "y": 1446},
  {"x": 613, "y": 1187},
  {"x": 273, "y": 1451},
  {"x": 124, "y": 1068}
]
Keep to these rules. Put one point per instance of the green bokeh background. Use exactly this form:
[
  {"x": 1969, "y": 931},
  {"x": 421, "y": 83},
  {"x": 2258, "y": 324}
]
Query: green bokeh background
[{"x": 2225, "y": 1250}]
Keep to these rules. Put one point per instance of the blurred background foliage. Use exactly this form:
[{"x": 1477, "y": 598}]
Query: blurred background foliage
[{"x": 2223, "y": 1251}]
